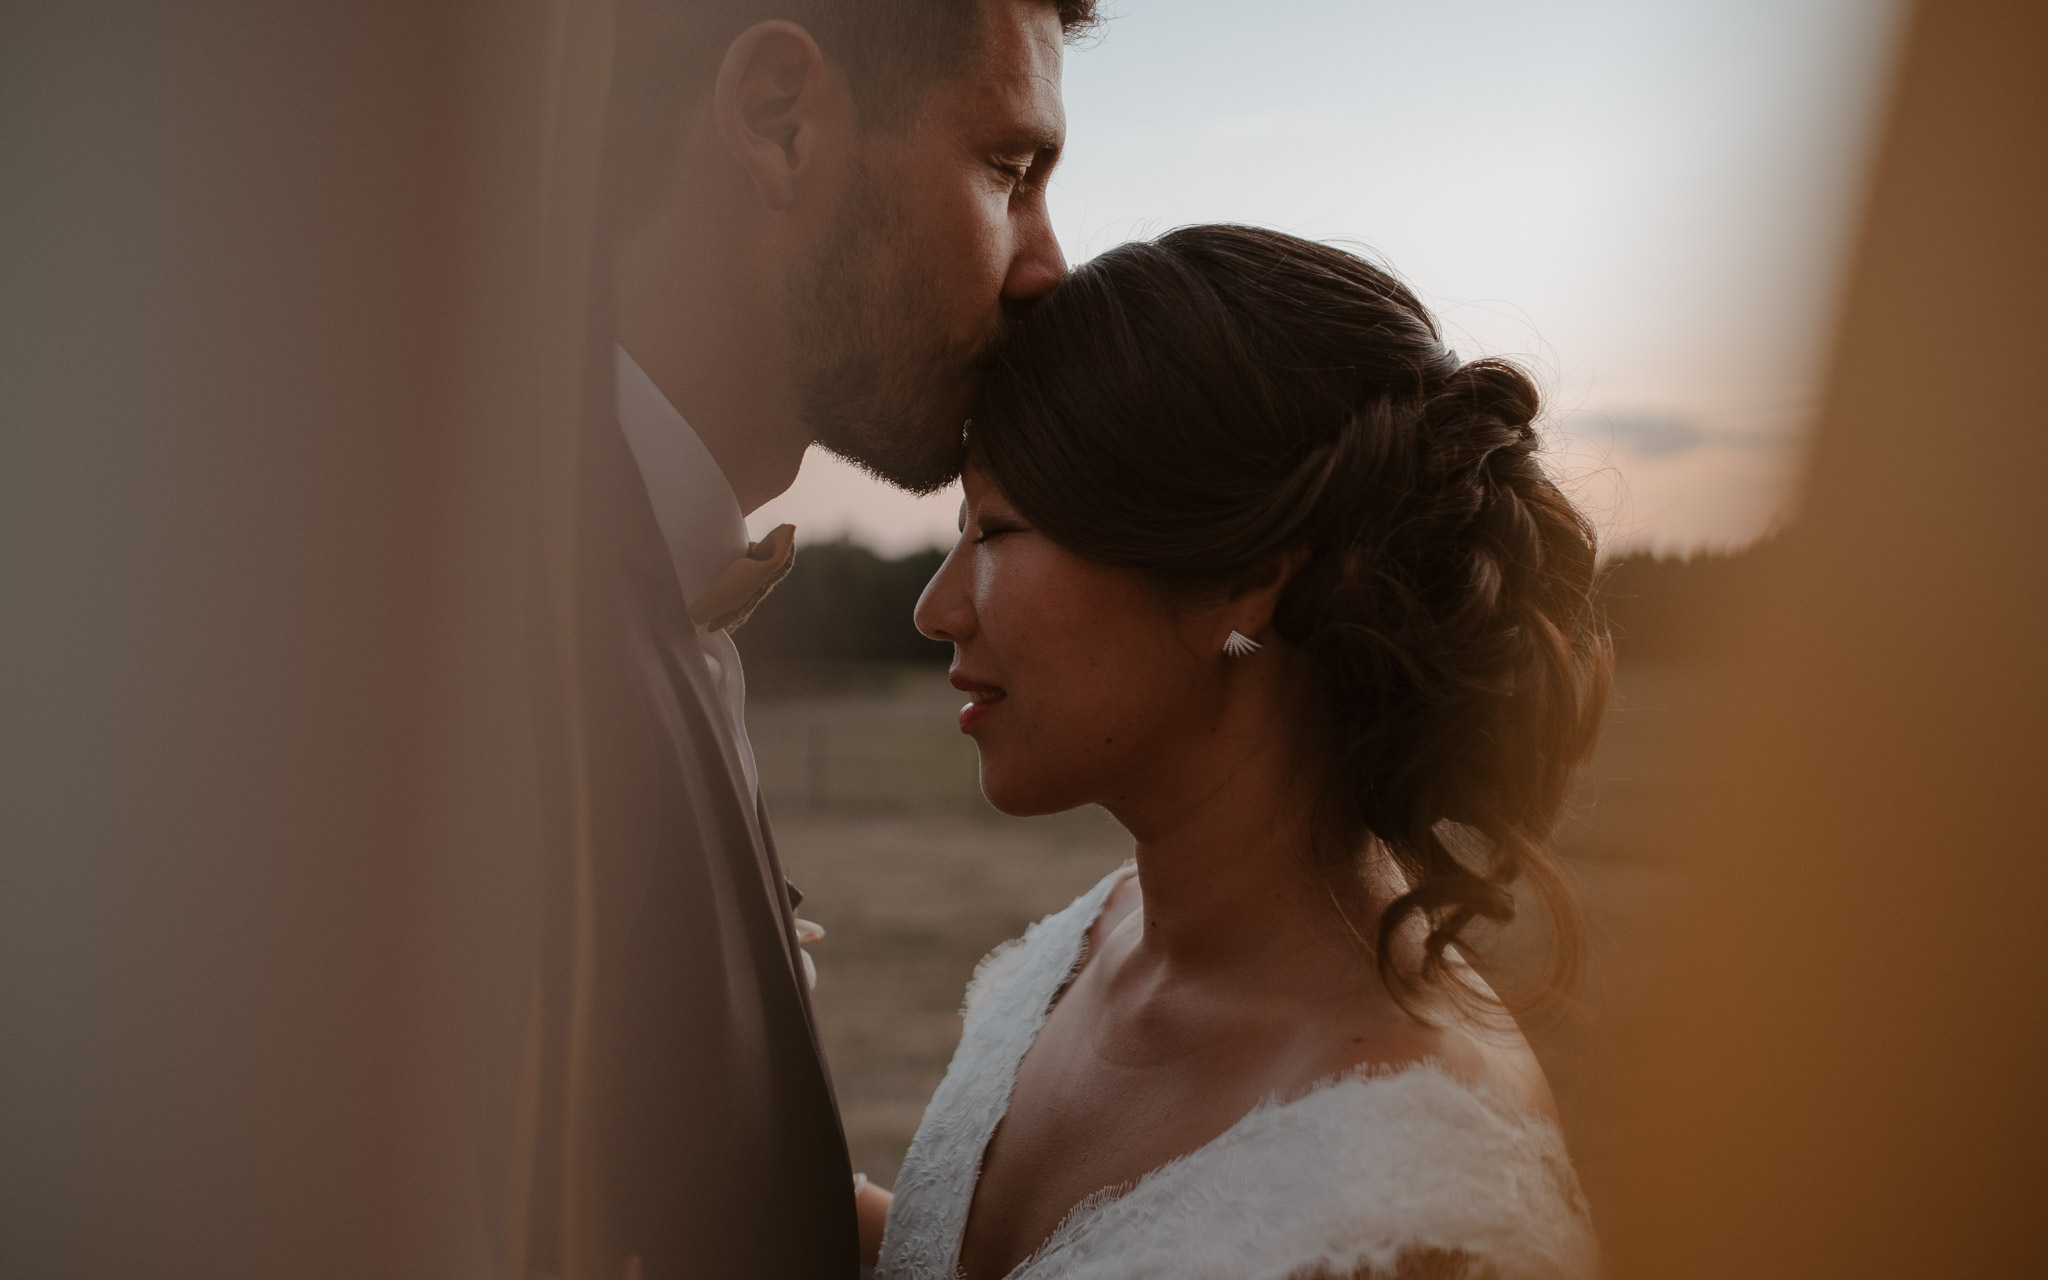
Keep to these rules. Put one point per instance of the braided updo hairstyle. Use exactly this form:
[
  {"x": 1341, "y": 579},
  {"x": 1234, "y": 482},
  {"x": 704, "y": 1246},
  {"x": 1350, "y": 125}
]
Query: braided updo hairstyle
[{"x": 1195, "y": 406}]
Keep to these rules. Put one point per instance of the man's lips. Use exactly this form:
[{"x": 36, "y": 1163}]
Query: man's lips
[{"x": 983, "y": 699}]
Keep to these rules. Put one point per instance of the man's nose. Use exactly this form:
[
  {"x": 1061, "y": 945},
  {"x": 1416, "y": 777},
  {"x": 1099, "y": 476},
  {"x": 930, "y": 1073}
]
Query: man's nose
[{"x": 1039, "y": 264}]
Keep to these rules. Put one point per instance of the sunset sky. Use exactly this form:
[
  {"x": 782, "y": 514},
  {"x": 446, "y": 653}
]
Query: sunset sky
[{"x": 1648, "y": 203}]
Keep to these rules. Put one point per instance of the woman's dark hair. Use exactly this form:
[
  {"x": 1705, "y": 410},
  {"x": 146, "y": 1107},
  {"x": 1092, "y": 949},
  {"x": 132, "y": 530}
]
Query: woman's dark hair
[{"x": 1196, "y": 406}]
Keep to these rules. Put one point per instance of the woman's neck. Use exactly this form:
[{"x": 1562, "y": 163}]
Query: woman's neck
[{"x": 1235, "y": 871}]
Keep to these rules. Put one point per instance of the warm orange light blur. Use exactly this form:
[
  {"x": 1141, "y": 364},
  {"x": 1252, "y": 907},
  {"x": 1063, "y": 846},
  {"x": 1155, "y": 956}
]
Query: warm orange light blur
[
  {"x": 1843, "y": 1072},
  {"x": 298, "y": 308}
]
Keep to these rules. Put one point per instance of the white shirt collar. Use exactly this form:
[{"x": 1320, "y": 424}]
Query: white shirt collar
[{"x": 693, "y": 503}]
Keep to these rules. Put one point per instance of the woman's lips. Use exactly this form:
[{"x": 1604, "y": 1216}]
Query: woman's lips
[{"x": 985, "y": 698}]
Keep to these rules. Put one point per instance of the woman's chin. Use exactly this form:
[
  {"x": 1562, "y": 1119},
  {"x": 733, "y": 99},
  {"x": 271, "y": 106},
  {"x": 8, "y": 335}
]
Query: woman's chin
[{"x": 1022, "y": 798}]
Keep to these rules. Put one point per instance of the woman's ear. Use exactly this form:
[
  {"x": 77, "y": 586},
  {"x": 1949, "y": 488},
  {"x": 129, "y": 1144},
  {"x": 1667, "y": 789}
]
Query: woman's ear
[
  {"x": 1255, "y": 595},
  {"x": 773, "y": 100}
]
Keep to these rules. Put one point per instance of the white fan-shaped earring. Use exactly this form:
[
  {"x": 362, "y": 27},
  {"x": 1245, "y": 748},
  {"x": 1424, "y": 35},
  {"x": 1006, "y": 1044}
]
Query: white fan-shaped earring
[{"x": 1238, "y": 645}]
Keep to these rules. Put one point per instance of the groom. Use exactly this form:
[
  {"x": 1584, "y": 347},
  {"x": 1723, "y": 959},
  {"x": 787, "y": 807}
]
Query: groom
[{"x": 823, "y": 214}]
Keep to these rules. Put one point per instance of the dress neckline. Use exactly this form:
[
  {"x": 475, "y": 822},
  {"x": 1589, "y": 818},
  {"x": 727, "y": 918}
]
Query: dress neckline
[{"x": 1078, "y": 1218}]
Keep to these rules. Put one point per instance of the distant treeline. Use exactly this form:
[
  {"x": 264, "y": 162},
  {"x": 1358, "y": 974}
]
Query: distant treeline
[
  {"x": 843, "y": 603},
  {"x": 1666, "y": 609}
]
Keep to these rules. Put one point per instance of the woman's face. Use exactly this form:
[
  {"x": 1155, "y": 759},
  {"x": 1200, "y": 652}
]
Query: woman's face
[{"x": 1084, "y": 683}]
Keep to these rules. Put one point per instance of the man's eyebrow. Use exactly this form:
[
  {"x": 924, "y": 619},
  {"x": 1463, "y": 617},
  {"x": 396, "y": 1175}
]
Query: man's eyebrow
[{"x": 1045, "y": 137}]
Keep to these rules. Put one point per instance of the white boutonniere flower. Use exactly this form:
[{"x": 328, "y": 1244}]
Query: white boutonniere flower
[{"x": 807, "y": 933}]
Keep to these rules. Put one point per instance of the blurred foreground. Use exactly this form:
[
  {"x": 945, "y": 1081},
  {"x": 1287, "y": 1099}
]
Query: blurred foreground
[{"x": 294, "y": 369}]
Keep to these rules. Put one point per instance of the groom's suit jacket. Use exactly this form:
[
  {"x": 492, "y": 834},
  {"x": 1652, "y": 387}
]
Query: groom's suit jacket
[{"x": 715, "y": 1142}]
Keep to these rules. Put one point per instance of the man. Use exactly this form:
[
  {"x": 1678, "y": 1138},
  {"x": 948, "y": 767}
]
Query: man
[{"x": 822, "y": 214}]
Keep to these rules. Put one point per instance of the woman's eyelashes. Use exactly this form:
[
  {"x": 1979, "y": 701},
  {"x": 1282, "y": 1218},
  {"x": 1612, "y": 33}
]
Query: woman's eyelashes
[{"x": 994, "y": 529}]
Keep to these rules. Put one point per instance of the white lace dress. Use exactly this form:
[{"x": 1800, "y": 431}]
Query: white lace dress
[{"x": 1354, "y": 1174}]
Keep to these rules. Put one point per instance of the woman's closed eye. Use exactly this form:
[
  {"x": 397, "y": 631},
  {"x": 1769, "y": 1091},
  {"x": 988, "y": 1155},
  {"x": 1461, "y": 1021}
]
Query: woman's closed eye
[{"x": 986, "y": 529}]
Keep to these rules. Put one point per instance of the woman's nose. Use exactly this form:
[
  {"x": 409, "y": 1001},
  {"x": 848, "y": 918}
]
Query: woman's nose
[{"x": 946, "y": 610}]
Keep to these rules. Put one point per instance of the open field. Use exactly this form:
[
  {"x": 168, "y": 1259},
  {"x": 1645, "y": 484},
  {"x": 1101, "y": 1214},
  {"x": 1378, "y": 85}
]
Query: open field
[{"x": 872, "y": 791}]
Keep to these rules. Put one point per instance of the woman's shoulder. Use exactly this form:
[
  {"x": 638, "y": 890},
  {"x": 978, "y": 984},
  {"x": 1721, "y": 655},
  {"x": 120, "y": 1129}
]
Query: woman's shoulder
[
  {"x": 1423, "y": 1111},
  {"x": 1484, "y": 1051},
  {"x": 1418, "y": 1158},
  {"x": 1361, "y": 1175},
  {"x": 1453, "y": 1022}
]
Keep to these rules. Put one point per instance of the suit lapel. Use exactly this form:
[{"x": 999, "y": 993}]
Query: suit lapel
[{"x": 718, "y": 1135}]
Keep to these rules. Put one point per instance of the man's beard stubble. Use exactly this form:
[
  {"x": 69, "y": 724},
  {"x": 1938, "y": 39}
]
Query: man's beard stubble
[{"x": 877, "y": 380}]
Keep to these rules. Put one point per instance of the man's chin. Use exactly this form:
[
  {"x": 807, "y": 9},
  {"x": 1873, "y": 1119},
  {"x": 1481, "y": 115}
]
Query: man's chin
[
  {"x": 917, "y": 471},
  {"x": 903, "y": 426}
]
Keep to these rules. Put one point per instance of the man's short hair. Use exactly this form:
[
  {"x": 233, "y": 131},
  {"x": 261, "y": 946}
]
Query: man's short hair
[{"x": 891, "y": 52}]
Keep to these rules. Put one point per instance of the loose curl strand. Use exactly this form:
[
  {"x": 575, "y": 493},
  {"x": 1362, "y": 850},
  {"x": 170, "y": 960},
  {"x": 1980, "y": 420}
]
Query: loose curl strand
[{"x": 1195, "y": 406}]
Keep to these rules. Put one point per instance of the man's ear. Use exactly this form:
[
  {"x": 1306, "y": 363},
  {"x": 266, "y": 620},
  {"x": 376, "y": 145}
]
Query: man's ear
[{"x": 772, "y": 100}]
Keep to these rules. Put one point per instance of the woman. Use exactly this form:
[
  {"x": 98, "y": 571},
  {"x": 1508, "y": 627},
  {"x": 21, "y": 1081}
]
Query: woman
[{"x": 1250, "y": 559}]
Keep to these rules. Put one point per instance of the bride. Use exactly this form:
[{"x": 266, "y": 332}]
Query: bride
[{"x": 1249, "y": 558}]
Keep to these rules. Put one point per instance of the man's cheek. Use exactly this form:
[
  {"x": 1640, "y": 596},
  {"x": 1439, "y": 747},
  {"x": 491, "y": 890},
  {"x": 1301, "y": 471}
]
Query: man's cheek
[{"x": 977, "y": 235}]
